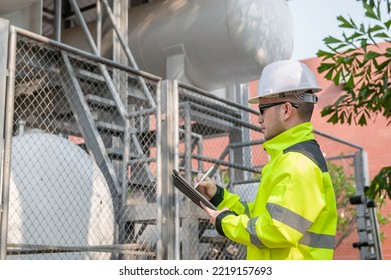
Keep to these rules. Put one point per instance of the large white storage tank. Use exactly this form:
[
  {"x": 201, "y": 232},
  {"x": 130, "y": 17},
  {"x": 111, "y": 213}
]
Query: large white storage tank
[
  {"x": 59, "y": 198},
  {"x": 223, "y": 41},
  {"x": 211, "y": 44}
]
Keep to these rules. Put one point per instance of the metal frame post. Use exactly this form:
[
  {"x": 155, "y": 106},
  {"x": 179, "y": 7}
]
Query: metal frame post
[
  {"x": 7, "y": 125},
  {"x": 367, "y": 224},
  {"x": 190, "y": 227},
  {"x": 167, "y": 158},
  {"x": 58, "y": 20},
  {"x": 4, "y": 31}
]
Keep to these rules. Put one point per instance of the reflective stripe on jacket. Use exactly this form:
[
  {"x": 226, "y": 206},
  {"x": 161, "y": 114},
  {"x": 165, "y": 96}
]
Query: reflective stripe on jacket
[{"x": 294, "y": 214}]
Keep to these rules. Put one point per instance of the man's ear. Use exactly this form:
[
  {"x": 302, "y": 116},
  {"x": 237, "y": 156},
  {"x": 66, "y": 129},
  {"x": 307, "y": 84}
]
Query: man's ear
[{"x": 287, "y": 110}]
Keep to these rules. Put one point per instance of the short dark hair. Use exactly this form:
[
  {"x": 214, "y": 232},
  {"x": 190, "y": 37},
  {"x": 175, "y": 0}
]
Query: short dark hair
[{"x": 305, "y": 108}]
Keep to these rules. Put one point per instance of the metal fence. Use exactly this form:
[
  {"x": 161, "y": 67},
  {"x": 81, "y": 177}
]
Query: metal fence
[
  {"x": 82, "y": 170},
  {"x": 89, "y": 150},
  {"x": 216, "y": 132}
]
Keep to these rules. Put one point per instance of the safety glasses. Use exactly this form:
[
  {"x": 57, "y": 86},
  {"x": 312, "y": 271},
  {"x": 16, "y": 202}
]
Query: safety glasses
[{"x": 262, "y": 107}]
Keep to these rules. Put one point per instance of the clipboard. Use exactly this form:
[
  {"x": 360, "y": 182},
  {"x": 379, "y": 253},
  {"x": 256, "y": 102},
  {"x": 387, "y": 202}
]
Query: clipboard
[{"x": 187, "y": 189}]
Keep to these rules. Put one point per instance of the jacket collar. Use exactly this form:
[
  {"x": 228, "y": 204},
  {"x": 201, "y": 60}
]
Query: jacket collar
[{"x": 294, "y": 135}]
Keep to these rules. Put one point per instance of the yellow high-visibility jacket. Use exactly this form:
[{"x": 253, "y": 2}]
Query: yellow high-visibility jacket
[{"x": 294, "y": 214}]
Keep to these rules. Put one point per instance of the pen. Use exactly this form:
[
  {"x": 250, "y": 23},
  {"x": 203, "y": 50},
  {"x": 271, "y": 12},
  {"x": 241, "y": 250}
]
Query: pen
[{"x": 203, "y": 177}]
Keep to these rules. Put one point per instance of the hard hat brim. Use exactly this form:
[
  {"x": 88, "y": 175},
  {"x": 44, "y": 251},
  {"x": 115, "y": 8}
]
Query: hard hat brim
[{"x": 255, "y": 100}]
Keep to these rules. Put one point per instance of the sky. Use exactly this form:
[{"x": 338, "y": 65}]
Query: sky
[{"x": 313, "y": 20}]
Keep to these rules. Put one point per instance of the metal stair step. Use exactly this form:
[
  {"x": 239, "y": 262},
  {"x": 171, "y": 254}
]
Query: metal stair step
[
  {"x": 100, "y": 102},
  {"x": 111, "y": 128},
  {"x": 117, "y": 153},
  {"x": 90, "y": 75}
]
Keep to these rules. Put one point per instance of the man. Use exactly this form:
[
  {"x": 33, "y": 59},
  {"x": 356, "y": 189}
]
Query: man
[{"x": 293, "y": 215}]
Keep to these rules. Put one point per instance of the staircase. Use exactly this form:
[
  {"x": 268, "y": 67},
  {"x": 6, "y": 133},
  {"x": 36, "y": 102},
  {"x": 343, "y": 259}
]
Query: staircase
[{"x": 109, "y": 134}]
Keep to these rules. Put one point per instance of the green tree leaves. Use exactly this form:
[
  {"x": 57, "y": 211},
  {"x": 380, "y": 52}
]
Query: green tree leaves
[
  {"x": 357, "y": 64},
  {"x": 362, "y": 69}
]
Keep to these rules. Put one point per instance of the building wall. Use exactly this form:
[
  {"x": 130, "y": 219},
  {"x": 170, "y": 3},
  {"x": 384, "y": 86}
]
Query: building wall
[{"x": 373, "y": 137}]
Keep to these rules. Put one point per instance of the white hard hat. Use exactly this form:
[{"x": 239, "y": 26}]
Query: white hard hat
[{"x": 287, "y": 77}]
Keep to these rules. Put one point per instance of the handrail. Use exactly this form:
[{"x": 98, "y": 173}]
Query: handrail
[{"x": 85, "y": 54}]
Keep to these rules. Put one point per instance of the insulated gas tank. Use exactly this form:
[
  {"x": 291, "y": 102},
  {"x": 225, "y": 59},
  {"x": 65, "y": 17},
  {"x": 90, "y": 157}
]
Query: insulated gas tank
[
  {"x": 210, "y": 44},
  {"x": 223, "y": 42},
  {"x": 59, "y": 198}
]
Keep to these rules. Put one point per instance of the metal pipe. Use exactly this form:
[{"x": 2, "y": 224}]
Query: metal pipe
[
  {"x": 9, "y": 113},
  {"x": 99, "y": 19},
  {"x": 223, "y": 116},
  {"x": 199, "y": 140},
  {"x": 177, "y": 238},
  {"x": 124, "y": 173},
  {"x": 372, "y": 210},
  {"x": 212, "y": 96},
  {"x": 246, "y": 144},
  {"x": 167, "y": 155},
  {"x": 159, "y": 170},
  {"x": 45, "y": 249},
  {"x": 231, "y": 172},
  {"x": 338, "y": 139},
  {"x": 87, "y": 55},
  {"x": 187, "y": 117},
  {"x": 339, "y": 157},
  {"x": 21, "y": 127},
  {"x": 58, "y": 20},
  {"x": 224, "y": 163}
]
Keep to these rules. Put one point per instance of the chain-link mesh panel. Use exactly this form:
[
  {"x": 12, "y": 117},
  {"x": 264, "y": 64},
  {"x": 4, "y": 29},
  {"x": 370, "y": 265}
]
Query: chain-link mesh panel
[
  {"x": 215, "y": 133},
  {"x": 83, "y": 179}
]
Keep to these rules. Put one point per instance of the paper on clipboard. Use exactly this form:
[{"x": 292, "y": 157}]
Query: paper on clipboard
[{"x": 187, "y": 189}]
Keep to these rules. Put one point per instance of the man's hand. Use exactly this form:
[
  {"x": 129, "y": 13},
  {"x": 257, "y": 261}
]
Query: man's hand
[
  {"x": 212, "y": 213},
  {"x": 207, "y": 187}
]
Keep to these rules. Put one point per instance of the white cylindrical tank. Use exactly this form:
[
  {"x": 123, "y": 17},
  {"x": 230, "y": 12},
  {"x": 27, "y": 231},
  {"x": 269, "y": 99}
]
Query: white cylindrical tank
[
  {"x": 223, "y": 42},
  {"x": 58, "y": 198}
]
